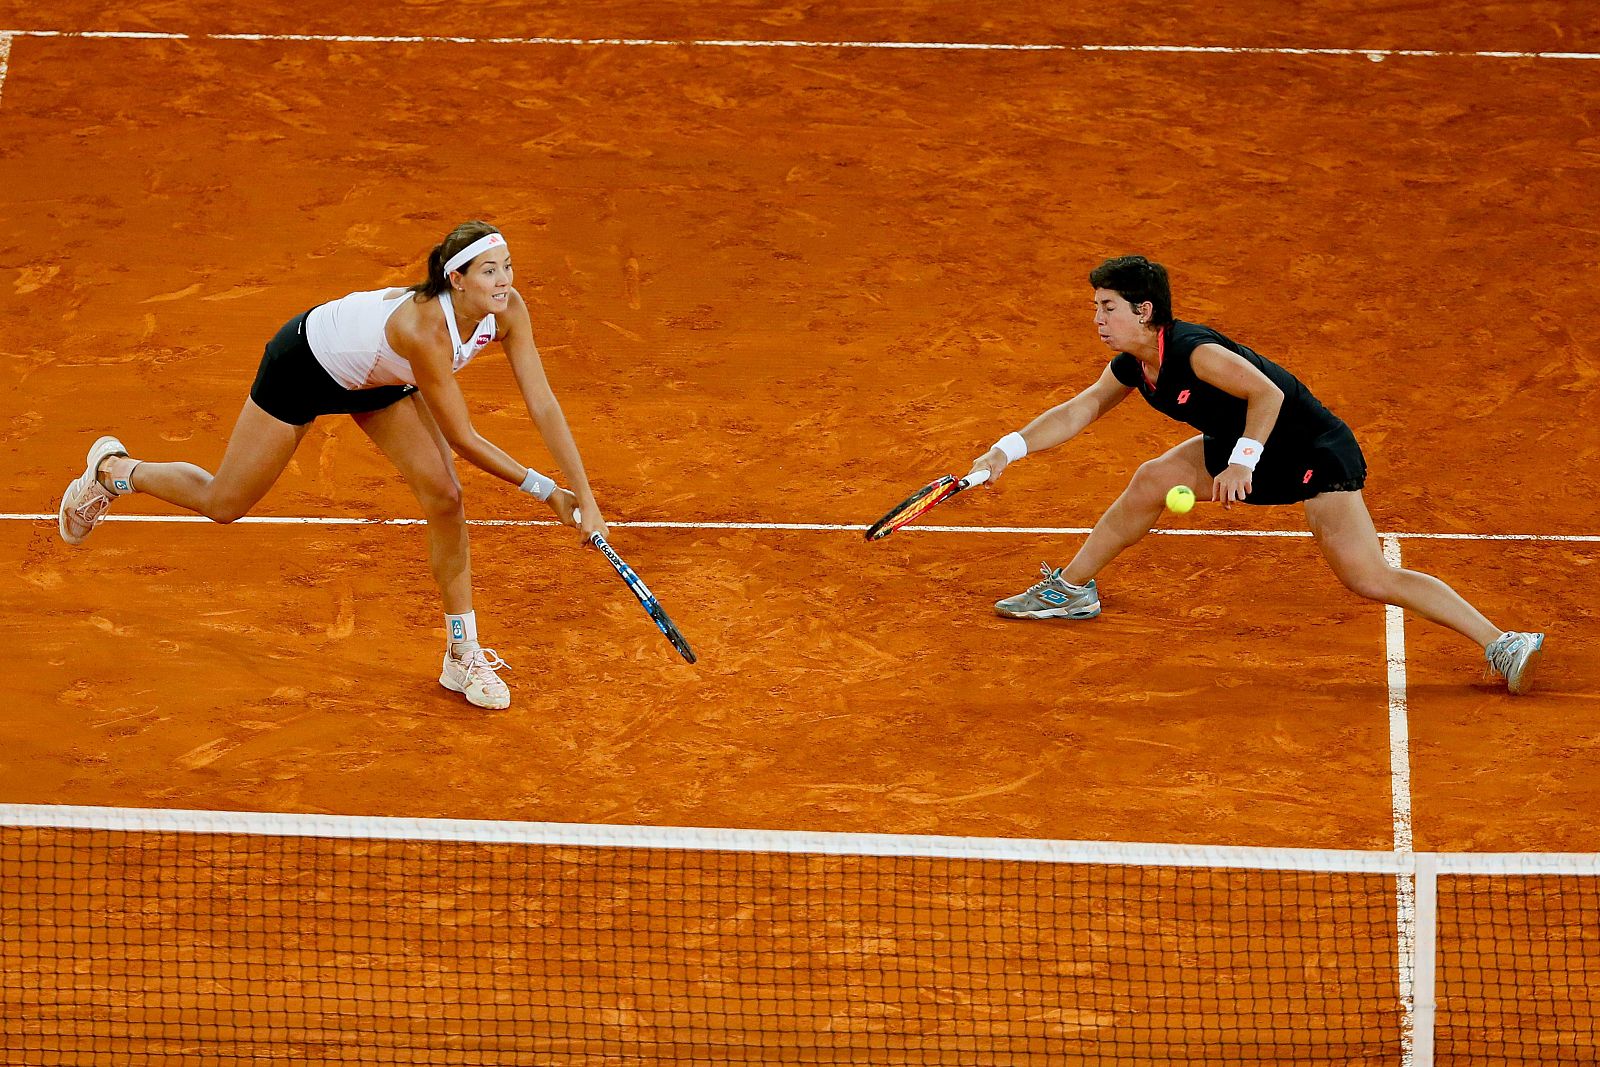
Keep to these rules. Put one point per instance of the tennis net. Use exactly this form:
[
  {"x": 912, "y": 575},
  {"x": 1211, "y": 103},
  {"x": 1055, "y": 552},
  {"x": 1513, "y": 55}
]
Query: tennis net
[{"x": 143, "y": 936}]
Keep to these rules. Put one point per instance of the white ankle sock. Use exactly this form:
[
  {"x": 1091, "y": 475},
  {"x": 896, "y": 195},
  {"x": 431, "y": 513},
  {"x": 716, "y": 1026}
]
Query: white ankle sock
[
  {"x": 462, "y": 631},
  {"x": 117, "y": 486}
]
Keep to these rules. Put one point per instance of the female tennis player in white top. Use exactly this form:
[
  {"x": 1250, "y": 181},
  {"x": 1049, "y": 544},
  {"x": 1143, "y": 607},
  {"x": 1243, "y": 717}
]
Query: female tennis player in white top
[{"x": 388, "y": 359}]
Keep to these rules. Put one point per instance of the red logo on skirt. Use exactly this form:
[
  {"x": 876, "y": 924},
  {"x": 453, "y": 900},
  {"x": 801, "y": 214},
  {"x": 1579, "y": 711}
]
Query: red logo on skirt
[{"x": 1307, "y": 479}]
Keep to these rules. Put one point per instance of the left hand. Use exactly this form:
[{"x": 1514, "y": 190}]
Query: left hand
[
  {"x": 590, "y": 521},
  {"x": 564, "y": 502},
  {"x": 1231, "y": 485}
]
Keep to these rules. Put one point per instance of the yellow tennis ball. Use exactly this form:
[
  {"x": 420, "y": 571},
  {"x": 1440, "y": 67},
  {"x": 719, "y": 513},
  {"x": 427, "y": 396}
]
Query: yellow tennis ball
[{"x": 1180, "y": 498}]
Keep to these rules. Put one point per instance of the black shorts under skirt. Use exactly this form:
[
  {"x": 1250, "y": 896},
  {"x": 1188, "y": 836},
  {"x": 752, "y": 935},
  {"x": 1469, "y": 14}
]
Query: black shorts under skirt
[
  {"x": 1288, "y": 474},
  {"x": 293, "y": 387}
]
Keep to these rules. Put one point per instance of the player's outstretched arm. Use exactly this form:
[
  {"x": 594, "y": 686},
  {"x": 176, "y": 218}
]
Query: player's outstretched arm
[
  {"x": 545, "y": 410},
  {"x": 1055, "y": 427},
  {"x": 441, "y": 394}
]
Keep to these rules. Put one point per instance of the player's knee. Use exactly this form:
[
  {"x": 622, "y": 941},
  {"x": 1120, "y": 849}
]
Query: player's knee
[
  {"x": 442, "y": 500},
  {"x": 227, "y": 503},
  {"x": 226, "y": 512},
  {"x": 1373, "y": 584},
  {"x": 1151, "y": 480}
]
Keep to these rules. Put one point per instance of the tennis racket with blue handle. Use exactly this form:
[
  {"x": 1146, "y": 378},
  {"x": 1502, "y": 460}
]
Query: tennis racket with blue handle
[{"x": 647, "y": 599}]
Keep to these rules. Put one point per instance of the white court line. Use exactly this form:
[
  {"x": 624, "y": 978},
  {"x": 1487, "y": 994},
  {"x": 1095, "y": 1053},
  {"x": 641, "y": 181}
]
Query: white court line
[
  {"x": 1394, "y": 640},
  {"x": 5, "y": 60},
  {"x": 813, "y": 527},
  {"x": 715, "y": 839},
  {"x": 799, "y": 842},
  {"x": 1376, "y": 55}
]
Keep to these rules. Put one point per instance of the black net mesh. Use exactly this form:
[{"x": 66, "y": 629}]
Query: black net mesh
[{"x": 135, "y": 948}]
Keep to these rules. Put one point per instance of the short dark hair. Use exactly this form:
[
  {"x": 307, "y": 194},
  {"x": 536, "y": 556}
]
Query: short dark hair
[{"x": 1137, "y": 279}]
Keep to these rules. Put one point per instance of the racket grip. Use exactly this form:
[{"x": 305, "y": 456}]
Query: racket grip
[
  {"x": 976, "y": 478},
  {"x": 577, "y": 519}
]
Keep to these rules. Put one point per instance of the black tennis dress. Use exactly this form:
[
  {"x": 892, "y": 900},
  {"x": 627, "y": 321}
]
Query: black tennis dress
[{"x": 1310, "y": 449}]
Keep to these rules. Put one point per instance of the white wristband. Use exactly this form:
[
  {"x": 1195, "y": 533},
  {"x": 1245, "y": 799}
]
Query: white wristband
[
  {"x": 1012, "y": 446},
  {"x": 538, "y": 485},
  {"x": 1246, "y": 453}
]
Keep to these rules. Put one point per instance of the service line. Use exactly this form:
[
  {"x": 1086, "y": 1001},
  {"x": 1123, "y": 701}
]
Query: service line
[
  {"x": 1376, "y": 55},
  {"x": 803, "y": 527}
]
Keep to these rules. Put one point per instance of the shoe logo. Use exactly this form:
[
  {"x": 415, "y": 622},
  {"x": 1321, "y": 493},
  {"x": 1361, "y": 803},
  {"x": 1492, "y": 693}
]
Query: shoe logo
[
  {"x": 1183, "y": 397},
  {"x": 1307, "y": 479},
  {"x": 458, "y": 632},
  {"x": 1052, "y": 596}
]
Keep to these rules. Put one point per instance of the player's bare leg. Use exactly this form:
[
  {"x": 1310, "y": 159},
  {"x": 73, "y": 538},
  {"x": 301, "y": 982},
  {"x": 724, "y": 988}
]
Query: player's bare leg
[
  {"x": 1349, "y": 541},
  {"x": 1137, "y": 510},
  {"x": 1069, "y": 592},
  {"x": 1345, "y": 533},
  {"x": 259, "y": 448},
  {"x": 407, "y": 433}
]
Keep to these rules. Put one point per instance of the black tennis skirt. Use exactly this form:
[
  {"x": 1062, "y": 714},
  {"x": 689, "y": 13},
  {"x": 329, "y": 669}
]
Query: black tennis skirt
[
  {"x": 1288, "y": 474},
  {"x": 293, "y": 387}
]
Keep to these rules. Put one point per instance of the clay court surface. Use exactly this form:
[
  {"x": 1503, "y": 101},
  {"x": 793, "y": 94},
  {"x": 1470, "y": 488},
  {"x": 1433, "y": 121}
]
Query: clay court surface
[{"x": 786, "y": 285}]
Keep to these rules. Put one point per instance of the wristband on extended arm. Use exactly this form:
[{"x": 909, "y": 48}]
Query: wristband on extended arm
[
  {"x": 1247, "y": 453},
  {"x": 538, "y": 485},
  {"x": 1012, "y": 446}
]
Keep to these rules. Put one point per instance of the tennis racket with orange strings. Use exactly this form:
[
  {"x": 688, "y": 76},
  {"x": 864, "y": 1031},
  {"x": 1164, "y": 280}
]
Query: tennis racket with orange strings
[{"x": 922, "y": 501}]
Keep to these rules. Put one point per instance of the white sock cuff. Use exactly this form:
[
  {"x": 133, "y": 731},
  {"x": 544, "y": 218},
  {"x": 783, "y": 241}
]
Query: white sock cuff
[
  {"x": 124, "y": 485},
  {"x": 462, "y": 628}
]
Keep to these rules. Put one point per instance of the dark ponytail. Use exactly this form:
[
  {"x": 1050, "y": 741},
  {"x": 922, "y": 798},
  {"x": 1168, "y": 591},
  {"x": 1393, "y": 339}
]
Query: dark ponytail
[{"x": 459, "y": 238}]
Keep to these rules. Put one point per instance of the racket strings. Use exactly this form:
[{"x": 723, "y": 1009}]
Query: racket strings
[
  {"x": 915, "y": 505},
  {"x": 923, "y": 506}
]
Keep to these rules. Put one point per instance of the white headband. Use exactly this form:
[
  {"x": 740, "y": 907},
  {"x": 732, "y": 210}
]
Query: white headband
[{"x": 474, "y": 250}]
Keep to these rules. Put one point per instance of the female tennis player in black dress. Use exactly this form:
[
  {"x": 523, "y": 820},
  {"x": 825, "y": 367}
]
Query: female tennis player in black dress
[{"x": 1264, "y": 439}]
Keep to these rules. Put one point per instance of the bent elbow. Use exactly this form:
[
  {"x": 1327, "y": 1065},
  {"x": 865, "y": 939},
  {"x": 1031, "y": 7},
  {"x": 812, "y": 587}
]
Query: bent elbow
[
  {"x": 467, "y": 445},
  {"x": 1271, "y": 395}
]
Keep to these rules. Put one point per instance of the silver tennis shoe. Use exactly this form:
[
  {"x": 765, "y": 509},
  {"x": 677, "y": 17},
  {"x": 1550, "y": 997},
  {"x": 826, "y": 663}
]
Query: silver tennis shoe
[
  {"x": 1052, "y": 598},
  {"x": 1513, "y": 655}
]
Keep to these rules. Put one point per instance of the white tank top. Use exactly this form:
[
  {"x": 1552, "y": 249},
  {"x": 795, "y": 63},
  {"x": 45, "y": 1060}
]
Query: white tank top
[{"x": 347, "y": 337}]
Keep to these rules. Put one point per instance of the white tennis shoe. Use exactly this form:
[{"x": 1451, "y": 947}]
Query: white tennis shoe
[
  {"x": 83, "y": 506},
  {"x": 474, "y": 677}
]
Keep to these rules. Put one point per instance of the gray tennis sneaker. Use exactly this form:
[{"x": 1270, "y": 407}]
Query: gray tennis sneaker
[
  {"x": 1513, "y": 655},
  {"x": 1052, "y": 598}
]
